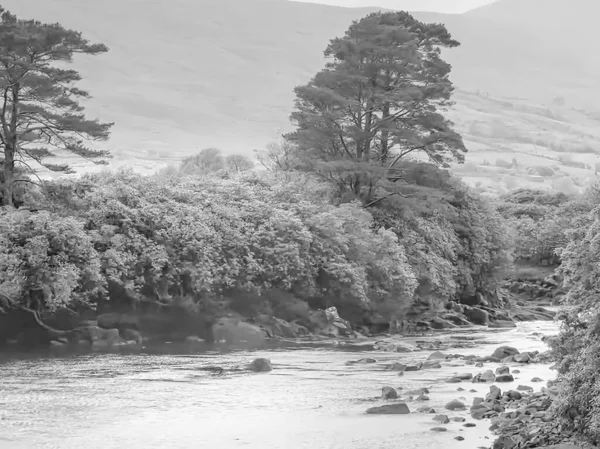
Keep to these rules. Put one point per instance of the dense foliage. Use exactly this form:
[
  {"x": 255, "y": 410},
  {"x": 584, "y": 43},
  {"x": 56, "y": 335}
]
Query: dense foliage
[
  {"x": 344, "y": 214},
  {"x": 578, "y": 344},
  {"x": 539, "y": 219}
]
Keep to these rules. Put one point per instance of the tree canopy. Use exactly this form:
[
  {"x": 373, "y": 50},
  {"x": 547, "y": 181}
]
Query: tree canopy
[
  {"x": 379, "y": 99},
  {"x": 40, "y": 112}
]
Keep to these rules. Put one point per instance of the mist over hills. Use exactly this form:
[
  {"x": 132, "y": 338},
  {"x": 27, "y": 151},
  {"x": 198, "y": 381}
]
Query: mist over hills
[{"x": 187, "y": 74}]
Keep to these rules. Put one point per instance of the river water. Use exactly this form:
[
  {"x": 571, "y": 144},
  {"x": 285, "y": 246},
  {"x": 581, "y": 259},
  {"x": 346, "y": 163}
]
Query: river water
[{"x": 171, "y": 399}]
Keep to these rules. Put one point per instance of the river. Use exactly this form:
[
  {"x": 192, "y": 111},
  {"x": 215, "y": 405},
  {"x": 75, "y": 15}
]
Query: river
[{"x": 167, "y": 398}]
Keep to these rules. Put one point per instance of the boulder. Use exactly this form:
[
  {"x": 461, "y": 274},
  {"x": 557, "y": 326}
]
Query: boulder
[
  {"x": 477, "y": 316},
  {"x": 455, "y": 405},
  {"x": 441, "y": 419},
  {"x": 456, "y": 319},
  {"x": 504, "y": 351},
  {"x": 522, "y": 358},
  {"x": 505, "y": 378},
  {"x": 260, "y": 365},
  {"x": 437, "y": 355},
  {"x": 389, "y": 393},
  {"x": 235, "y": 331},
  {"x": 398, "y": 408},
  {"x": 439, "y": 323},
  {"x": 503, "y": 370}
]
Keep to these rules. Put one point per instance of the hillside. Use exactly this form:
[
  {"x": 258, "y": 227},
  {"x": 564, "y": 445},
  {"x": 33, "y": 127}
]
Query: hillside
[{"x": 188, "y": 74}]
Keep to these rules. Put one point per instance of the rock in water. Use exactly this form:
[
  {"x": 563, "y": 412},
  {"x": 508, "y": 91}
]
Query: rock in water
[
  {"x": 260, "y": 365},
  {"x": 389, "y": 393},
  {"x": 455, "y": 405},
  {"x": 437, "y": 355},
  {"x": 504, "y": 351},
  {"x": 399, "y": 408}
]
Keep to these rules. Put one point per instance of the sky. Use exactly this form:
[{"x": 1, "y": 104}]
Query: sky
[{"x": 446, "y": 6}]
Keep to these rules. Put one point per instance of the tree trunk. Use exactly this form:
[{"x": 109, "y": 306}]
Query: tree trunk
[
  {"x": 385, "y": 134},
  {"x": 9, "y": 175}
]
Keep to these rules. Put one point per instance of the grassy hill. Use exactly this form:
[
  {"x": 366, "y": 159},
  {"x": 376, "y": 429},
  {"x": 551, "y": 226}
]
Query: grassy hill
[{"x": 187, "y": 74}]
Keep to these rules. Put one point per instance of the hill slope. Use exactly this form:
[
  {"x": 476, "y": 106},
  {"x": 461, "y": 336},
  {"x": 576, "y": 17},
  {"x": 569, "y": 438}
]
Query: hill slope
[{"x": 186, "y": 74}]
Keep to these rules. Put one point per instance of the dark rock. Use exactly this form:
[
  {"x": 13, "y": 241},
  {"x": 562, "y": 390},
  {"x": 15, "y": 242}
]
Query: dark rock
[
  {"x": 458, "y": 419},
  {"x": 503, "y": 370},
  {"x": 459, "y": 438},
  {"x": 455, "y": 405},
  {"x": 260, "y": 365},
  {"x": 494, "y": 395},
  {"x": 399, "y": 408},
  {"x": 439, "y": 324},
  {"x": 416, "y": 367},
  {"x": 233, "y": 331},
  {"x": 477, "y": 316},
  {"x": 389, "y": 393},
  {"x": 454, "y": 380},
  {"x": 469, "y": 424},
  {"x": 439, "y": 429},
  {"x": 537, "y": 379},
  {"x": 431, "y": 364},
  {"x": 504, "y": 351},
  {"x": 505, "y": 378},
  {"x": 456, "y": 319},
  {"x": 437, "y": 355},
  {"x": 524, "y": 388},
  {"x": 522, "y": 358},
  {"x": 441, "y": 419}
]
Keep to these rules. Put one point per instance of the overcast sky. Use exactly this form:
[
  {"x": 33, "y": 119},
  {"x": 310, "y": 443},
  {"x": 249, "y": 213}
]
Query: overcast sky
[{"x": 449, "y": 6}]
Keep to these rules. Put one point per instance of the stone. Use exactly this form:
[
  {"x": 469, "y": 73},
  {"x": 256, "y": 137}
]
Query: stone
[
  {"x": 494, "y": 395},
  {"x": 397, "y": 367},
  {"x": 458, "y": 419},
  {"x": 537, "y": 379},
  {"x": 437, "y": 355},
  {"x": 469, "y": 424},
  {"x": 504, "y": 351},
  {"x": 522, "y": 358},
  {"x": 464, "y": 376},
  {"x": 505, "y": 378},
  {"x": 439, "y": 429},
  {"x": 439, "y": 323},
  {"x": 477, "y": 316},
  {"x": 416, "y": 367},
  {"x": 455, "y": 405},
  {"x": 524, "y": 388},
  {"x": 479, "y": 365},
  {"x": 389, "y": 393},
  {"x": 260, "y": 365},
  {"x": 398, "y": 408},
  {"x": 503, "y": 370},
  {"x": 235, "y": 331},
  {"x": 459, "y": 438},
  {"x": 431, "y": 364},
  {"x": 441, "y": 419}
]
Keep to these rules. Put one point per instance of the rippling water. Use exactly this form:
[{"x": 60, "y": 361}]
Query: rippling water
[{"x": 311, "y": 399}]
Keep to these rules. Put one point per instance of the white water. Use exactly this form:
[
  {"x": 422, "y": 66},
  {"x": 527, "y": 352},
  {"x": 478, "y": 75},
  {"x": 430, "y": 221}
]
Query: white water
[{"x": 311, "y": 399}]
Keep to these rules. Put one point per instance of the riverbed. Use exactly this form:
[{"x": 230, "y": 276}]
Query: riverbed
[{"x": 184, "y": 397}]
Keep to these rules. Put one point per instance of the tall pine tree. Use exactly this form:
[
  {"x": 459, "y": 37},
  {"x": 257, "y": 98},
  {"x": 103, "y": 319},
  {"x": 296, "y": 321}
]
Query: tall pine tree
[
  {"x": 40, "y": 111},
  {"x": 378, "y": 100}
]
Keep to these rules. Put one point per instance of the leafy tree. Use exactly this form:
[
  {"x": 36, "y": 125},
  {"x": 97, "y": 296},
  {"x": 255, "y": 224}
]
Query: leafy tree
[
  {"x": 238, "y": 163},
  {"x": 206, "y": 161},
  {"x": 377, "y": 101},
  {"x": 40, "y": 111}
]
